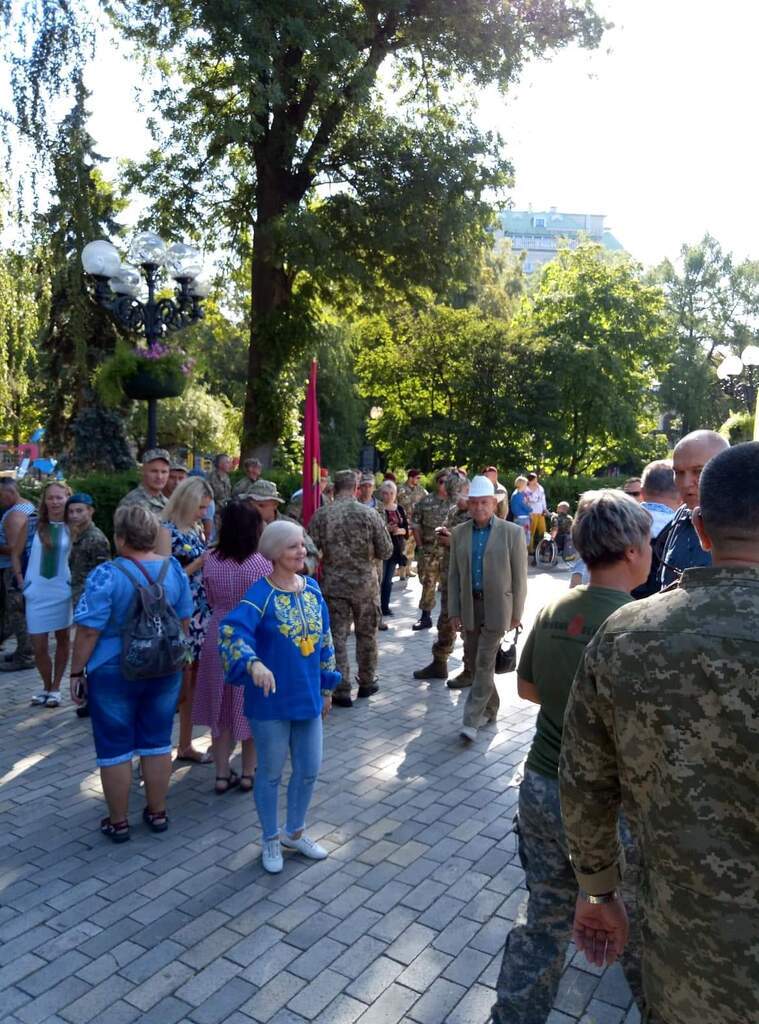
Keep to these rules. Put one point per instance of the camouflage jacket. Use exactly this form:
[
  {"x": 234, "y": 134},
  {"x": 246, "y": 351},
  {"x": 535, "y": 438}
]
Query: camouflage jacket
[
  {"x": 428, "y": 515},
  {"x": 455, "y": 517},
  {"x": 663, "y": 719},
  {"x": 410, "y": 497},
  {"x": 139, "y": 496},
  {"x": 242, "y": 487},
  {"x": 350, "y": 537},
  {"x": 87, "y": 550},
  {"x": 221, "y": 486}
]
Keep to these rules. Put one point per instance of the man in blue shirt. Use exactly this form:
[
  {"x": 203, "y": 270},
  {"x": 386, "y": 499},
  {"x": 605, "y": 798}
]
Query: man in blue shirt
[
  {"x": 682, "y": 549},
  {"x": 487, "y": 586}
]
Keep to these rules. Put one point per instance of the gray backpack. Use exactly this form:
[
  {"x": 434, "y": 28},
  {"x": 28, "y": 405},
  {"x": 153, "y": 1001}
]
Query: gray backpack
[{"x": 152, "y": 641}]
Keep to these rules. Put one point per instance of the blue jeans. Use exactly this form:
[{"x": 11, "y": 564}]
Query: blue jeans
[
  {"x": 274, "y": 737},
  {"x": 130, "y": 716}
]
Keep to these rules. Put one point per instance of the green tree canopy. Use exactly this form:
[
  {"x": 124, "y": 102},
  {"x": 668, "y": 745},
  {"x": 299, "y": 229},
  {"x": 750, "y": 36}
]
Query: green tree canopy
[
  {"x": 324, "y": 136},
  {"x": 597, "y": 331}
]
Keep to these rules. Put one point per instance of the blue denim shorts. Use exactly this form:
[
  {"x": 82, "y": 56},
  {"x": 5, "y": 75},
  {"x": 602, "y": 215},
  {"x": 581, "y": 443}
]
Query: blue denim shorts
[{"x": 130, "y": 716}]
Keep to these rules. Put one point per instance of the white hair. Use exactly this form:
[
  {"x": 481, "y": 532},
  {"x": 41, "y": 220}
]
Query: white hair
[{"x": 277, "y": 536}]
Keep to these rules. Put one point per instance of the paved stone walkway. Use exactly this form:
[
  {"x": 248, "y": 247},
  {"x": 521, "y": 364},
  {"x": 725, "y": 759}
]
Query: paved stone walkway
[{"x": 405, "y": 922}]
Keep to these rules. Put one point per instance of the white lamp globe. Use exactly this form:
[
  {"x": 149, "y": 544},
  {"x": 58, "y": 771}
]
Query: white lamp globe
[
  {"x": 183, "y": 261},
  {"x": 147, "y": 247},
  {"x": 200, "y": 287},
  {"x": 126, "y": 281},
  {"x": 730, "y": 366},
  {"x": 100, "y": 258},
  {"x": 750, "y": 355}
]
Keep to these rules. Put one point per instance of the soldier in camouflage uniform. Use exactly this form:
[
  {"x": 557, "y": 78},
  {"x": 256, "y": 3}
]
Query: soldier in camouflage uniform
[
  {"x": 609, "y": 527},
  {"x": 429, "y": 515},
  {"x": 220, "y": 484},
  {"x": 409, "y": 495},
  {"x": 16, "y": 514},
  {"x": 457, "y": 489},
  {"x": 663, "y": 719},
  {"x": 89, "y": 545},
  {"x": 267, "y": 499},
  {"x": 351, "y": 538},
  {"x": 253, "y": 470},
  {"x": 155, "y": 475}
]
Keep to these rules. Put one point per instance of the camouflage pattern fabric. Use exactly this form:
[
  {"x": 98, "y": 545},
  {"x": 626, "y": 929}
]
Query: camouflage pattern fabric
[
  {"x": 446, "y": 635},
  {"x": 409, "y": 497},
  {"x": 430, "y": 513},
  {"x": 663, "y": 716},
  {"x": 221, "y": 486},
  {"x": 14, "y": 616},
  {"x": 350, "y": 537},
  {"x": 242, "y": 487},
  {"x": 89, "y": 549},
  {"x": 139, "y": 496},
  {"x": 364, "y": 612},
  {"x": 536, "y": 946}
]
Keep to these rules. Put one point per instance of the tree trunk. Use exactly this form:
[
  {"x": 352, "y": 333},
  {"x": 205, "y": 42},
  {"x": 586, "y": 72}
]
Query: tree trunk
[{"x": 271, "y": 295}]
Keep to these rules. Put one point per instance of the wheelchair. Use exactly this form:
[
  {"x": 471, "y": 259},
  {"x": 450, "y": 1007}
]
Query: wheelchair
[{"x": 547, "y": 552}]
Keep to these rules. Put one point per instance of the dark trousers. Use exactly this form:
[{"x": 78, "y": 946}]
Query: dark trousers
[{"x": 386, "y": 586}]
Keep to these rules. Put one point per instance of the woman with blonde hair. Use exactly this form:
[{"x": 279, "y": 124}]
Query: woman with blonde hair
[
  {"x": 46, "y": 582},
  {"x": 183, "y": 537}
]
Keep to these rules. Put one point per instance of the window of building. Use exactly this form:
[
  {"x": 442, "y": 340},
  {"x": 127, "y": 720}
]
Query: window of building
[{"x": 540, "y": 222}]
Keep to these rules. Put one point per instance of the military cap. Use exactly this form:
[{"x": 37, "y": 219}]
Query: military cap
[
  {"x": 80, "y": 498},
  {"x": 454, "y": 484},
  {"x": 367, "y": 478},
  {"x": 178, "y": 467},
  {"x": 345, "y": 476},
  {"x": 264, "y": 490},
  {"x": 154, "y": 454}
]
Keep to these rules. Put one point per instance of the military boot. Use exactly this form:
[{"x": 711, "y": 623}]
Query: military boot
[
  {"x": 425, "y": 622},
  {"x": 461, "y": 681},
  {"x": 435, "y": 670}
]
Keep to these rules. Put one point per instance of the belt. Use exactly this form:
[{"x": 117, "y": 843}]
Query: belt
[{"x": 478, "y": 595}]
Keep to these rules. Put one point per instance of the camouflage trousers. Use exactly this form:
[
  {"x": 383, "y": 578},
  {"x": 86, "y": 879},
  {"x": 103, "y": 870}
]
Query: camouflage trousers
[
  {"x": 536, "y": 947},
  {"x": 408, "y": 550},
  {"x": 446, "y": 634},
  {"x": 361, "y": 610},
  {"x": 429, "y": 574},
  {"x": 13, "y": 616}
]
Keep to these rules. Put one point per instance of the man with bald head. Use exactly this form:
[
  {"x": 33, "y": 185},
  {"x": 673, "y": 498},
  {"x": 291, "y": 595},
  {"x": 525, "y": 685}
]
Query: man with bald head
[{"x": 682, "y": 549}]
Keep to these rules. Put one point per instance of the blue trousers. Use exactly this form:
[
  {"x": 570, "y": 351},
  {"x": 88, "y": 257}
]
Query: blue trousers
[{"x": 274, "y": 738}]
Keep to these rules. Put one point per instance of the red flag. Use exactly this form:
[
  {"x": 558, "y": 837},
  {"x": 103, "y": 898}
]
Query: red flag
[{"x": 311, "y": 452}]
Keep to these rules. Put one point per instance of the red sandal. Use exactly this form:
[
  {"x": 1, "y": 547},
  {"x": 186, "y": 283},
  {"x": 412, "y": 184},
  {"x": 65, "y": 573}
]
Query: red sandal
[
  {"x": 118, "y": 831},
  {"x": 157, "y": 821}
]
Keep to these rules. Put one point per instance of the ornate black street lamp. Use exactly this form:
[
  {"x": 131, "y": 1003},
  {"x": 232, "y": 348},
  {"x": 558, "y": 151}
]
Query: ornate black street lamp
[
  {"x": 739, "y": 377},
  {"x": 120, "y": 289}
]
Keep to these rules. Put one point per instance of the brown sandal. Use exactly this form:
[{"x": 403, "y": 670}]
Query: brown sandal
[
  {"x": 157, "y": 821},
  {"x": 118, "y": 831}
]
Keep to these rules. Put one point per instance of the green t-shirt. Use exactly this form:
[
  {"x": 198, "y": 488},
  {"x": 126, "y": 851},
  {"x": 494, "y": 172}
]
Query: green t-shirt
[{"x": 550, "y": 658}]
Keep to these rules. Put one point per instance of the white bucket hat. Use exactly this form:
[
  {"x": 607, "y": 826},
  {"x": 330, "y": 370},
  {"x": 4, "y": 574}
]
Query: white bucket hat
[{"x": 481, "y": 487}]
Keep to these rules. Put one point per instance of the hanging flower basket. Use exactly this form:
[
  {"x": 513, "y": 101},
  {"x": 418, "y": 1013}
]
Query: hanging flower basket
[{"x": 141, "y": 374}]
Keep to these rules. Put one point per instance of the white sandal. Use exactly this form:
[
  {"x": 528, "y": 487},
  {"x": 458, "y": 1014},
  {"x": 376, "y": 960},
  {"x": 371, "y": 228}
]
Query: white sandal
[
  {"x": 40, "y": 699},
  {"x": 53, "y": 699}
]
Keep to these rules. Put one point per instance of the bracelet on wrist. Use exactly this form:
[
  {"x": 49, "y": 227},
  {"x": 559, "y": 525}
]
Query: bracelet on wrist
[
  {"x": 327, "y": 693},
  {"x": 604, "y": 897}
]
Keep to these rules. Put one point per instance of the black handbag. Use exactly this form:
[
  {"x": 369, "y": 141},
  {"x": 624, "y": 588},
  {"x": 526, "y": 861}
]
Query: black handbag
[{"x": 506, "y": 658}]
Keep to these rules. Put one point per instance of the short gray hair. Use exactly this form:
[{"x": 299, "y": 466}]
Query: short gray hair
[
  {"x": 136, "y": 526},
  {"x": 659, "y": 479},
  {"x": 277, "y": 536},
  {"x": 388, "y": 485},
  {"x": 607, "y": 523}
]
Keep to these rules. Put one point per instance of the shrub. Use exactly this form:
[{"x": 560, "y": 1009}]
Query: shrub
[{"x": 738, "y": 427}]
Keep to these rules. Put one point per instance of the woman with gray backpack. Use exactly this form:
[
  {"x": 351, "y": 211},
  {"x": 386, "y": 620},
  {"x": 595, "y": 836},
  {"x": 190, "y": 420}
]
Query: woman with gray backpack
[{"x": 130, "y": 646}]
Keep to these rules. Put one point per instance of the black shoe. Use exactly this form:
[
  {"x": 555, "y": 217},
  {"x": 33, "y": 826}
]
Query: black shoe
[
  {"x": 388, "y": 611},
  {"x": 342, "y": 702},
  {"x": 383, "y": 626},
  {"x": 83, "y": 712},
  {"x": 425, "y": 622},
  {"x": 367, "y": 691},
  {"x": 435, "y": 670}
]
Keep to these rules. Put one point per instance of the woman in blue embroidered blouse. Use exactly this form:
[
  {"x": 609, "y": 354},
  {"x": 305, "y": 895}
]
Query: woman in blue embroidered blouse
[{"x": 278, "y": 645}]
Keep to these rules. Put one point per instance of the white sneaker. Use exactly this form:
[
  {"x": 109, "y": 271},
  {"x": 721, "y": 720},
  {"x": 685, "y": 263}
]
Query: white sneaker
[
  {"x": 468, "y": 733},
  {"x": 40, "y": 698},
  {"x": 271, "y": 856},
  {"x": 53, "y": 699},
  {"x": 305, "y": 846}
]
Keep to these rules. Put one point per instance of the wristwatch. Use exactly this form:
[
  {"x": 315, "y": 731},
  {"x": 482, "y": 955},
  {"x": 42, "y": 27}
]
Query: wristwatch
[{"x": 604, "y": 897}]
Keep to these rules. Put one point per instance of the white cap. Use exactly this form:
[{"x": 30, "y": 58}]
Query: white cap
[{"x": 481, "y": 487}]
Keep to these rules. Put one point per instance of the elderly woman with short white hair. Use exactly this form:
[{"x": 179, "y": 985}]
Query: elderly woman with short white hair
[{"x": 278, "y": 645}]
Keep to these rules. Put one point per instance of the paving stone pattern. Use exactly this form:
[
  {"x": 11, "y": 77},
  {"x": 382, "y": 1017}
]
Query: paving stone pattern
[{"x": 404, "y": 922}]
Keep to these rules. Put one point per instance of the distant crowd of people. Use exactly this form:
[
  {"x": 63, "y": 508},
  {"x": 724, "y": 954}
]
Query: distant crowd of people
[{"x": 221, "y": 606}]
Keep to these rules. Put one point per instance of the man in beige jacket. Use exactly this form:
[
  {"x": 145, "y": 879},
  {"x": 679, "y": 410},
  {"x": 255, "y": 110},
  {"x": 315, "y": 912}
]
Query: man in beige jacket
[{"x": 487, "y": 587}]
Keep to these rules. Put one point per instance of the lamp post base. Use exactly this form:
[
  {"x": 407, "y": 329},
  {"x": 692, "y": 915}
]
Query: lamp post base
[{"x": 152, "y": 441}]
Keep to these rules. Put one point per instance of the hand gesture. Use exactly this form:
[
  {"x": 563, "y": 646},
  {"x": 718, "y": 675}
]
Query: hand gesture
[
  {"x": 600, "y": 930},
  {"x": 262, "y": 677}
]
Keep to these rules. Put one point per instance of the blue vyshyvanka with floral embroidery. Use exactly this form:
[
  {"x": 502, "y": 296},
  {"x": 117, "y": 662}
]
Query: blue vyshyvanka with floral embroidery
[{"x": 290, "y": 634}]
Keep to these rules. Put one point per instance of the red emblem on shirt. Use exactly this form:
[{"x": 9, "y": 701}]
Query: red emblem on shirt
[{"x": 575, "y": 626}]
